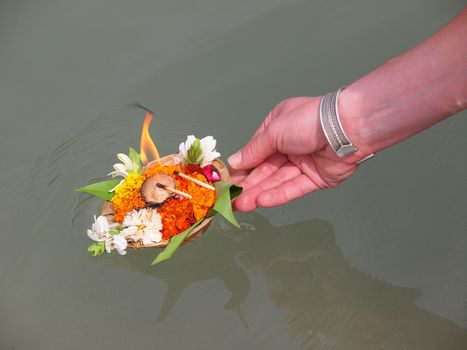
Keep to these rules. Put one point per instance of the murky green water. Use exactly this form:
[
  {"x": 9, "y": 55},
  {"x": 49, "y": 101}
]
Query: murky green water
[{"x": 380, "y": 262}]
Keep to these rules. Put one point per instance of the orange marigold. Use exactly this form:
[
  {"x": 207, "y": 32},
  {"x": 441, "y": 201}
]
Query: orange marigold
[
  {"x": 128, "y": 196},
  {"x": 177, "y": 216},
  {"x": 166, "y": 169},
  {"x": 203, "y": 198}
]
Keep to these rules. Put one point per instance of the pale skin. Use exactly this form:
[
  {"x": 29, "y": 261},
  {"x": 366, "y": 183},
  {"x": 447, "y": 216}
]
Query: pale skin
[{"x": 289, "y": 157}]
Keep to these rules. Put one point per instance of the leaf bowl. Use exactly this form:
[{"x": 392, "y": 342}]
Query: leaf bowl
[{"x": 109, "y": 212}]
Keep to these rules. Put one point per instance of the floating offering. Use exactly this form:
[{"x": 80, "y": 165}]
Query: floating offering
[{"x": 164, "y": 202}]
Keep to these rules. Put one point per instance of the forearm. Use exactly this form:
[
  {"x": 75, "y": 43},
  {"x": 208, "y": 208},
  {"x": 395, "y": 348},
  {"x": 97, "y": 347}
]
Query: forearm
[{"x": 410, "y": 92}]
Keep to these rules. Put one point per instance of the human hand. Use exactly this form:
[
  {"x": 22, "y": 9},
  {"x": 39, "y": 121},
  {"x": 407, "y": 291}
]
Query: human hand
[{"x": 287, "y": 157}]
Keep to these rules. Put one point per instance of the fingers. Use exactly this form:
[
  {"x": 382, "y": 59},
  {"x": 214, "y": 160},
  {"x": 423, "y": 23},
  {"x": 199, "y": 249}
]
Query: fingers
[
  {"x": 249, "y": 178},
  {"x": 286, "y": 192},
  {"x": 264, "y": 171},
  {"x": 254, "y": 152},
  {"x": 247, "y": 200},
  {"x": 238, "y": 176}
]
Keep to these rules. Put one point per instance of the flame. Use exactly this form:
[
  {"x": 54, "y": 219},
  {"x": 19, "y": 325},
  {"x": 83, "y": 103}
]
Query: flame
[{"x": 148, "y": 149}]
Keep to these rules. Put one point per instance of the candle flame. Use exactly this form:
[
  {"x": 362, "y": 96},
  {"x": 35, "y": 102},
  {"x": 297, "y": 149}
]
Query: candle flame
[{"x": 148, "y": 149}]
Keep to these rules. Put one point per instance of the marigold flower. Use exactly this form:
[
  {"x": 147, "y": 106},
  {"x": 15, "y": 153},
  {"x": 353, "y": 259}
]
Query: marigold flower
[
  {"x": 128, "y": 196},
  {"x": 202, "y": 198},
  {"x": 177, "y": 215}
]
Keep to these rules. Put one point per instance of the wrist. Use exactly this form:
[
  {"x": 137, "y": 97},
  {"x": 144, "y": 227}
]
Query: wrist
[
  {"x": 344, "y": 135},
  {"x": 354, "y": 121}
]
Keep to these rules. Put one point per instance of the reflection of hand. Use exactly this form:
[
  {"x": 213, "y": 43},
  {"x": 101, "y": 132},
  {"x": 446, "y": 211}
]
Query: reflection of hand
[{"x": 287, "y": 157}]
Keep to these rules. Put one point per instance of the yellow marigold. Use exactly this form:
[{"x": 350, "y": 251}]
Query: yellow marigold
[{"x": 128, "y": 196}]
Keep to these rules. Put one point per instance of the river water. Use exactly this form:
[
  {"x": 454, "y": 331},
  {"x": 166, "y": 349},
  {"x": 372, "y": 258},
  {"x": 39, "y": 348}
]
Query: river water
[{"x": 378, "y": 263}]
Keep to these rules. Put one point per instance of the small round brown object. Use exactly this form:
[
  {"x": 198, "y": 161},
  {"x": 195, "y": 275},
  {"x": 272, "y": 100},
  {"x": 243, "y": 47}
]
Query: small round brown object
[{"x": 154, "y": 194}]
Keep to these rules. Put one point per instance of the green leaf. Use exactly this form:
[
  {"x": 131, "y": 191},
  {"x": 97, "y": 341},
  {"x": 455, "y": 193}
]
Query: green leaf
[
  {"x": 223, "y": 206},
  {"x": 100, "y": 189},
  {"x": 174, "y": 243},
  {"x": 116, "y": 230},
  {"x": 135, "y": 160},
  {"x": 195, "y": 153},
  {"x": 97, "y": 248},
  {"x": 235, "y": 191}
]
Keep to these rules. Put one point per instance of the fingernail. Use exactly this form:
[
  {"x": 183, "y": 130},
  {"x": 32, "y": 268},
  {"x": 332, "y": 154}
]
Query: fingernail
[{"x": 235, "y": 159}]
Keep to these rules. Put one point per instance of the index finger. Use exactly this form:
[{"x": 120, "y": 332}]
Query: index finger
[{"x": 260, "y": 147}]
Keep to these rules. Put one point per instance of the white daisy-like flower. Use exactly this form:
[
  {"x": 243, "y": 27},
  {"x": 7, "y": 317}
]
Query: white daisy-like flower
[
  {"x": 124, "y": 168},
  {"x": 196, "y": 151},
  {"x": 143, "y": 225},
  {"x": 100, "y": 232}
]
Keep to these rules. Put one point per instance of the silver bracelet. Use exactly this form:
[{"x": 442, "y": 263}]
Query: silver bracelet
[{"x": 332, "y": 127}]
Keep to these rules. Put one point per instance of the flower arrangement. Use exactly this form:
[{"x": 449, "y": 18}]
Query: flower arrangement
[{"x": 161, "y": 203}]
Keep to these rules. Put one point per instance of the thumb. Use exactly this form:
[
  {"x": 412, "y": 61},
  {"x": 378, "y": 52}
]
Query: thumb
[{"x": 254, "y": 152}]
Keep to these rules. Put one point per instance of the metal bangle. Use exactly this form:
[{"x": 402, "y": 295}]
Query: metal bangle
[{"x": 332, "y": 127}]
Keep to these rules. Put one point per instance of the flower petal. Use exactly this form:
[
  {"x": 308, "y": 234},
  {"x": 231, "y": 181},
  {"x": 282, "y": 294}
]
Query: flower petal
[
  {"x": 120, "y": 244},
  {"x": 151, "y": 236},
  {"x": 185, "y": 146},
  {"x": 93, "y": 236},
  {"x": 208, "y": 158},
  {"x": 108, "y": 245},
  {"x": 113, "y": 189},
  {"x": 99, "y": 229},
  {"x": 133, "y": 218},
  {"x": 100, "y": 225},
  {"x": 211, "y": 173},
  {"x": 126, "y": 160},
  {"x": 208, "y": 144},
  {"x": 117, "y": 173},
  {"x": 120, "y": 167}
]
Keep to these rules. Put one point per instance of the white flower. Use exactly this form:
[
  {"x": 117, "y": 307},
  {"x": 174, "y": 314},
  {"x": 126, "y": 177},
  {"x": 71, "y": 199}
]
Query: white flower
[
  {"x": 124, "y": 168},
  {"x": 208, "y": 145},
  {"x": 185, "y": 146},
  {"x": 144, "y": 224},
  {"x": 117, "y": 242},
  {"x": 100, "y": 232},
  {"x": 151, "y": 236},
  {"x": 207, "y": 148},
  {"x": 99, "y": 229}
]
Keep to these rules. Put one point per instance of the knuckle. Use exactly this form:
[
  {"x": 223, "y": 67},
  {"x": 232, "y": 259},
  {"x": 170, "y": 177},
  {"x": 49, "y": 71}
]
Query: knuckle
[
  {"x": 252, "y": 149},
  {"x": 269, "y": 118}
]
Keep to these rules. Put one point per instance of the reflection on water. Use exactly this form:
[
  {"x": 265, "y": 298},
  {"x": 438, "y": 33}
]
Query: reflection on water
[
  {"x": 330, "y": 304},
  {"x": 314, "y": 295},
  {"x": 327, "y": 303},
  {"x": 313, "y": 292}
]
